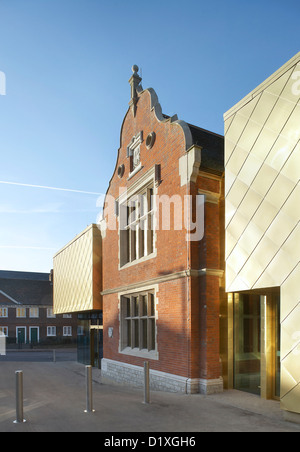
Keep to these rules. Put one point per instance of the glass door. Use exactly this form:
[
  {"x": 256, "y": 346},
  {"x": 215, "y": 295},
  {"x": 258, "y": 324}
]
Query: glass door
[
  {"x": 247, "y": 343},
  {"x": 256, "y": 339}
]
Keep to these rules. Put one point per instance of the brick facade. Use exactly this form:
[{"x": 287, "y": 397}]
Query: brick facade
[
  {"x": 185, "y": 275},
  {"x": 12, "y": 322}
]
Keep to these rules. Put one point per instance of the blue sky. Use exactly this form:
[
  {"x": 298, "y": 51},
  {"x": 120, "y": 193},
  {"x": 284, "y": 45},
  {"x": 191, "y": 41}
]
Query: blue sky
[{"x": 67, "y": 64}]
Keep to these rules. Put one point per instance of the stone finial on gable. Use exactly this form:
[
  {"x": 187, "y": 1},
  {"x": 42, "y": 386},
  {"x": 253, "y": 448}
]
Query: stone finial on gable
[{"x": 134, "y": 81}]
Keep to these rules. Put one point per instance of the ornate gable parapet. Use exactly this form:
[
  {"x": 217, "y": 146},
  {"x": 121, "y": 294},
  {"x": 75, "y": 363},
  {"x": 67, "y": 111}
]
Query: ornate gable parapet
[{"x": 156, "y": 107}]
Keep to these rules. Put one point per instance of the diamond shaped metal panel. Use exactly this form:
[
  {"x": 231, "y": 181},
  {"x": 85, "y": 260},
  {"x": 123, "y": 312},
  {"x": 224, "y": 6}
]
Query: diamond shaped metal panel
[
  {"x": 263, "y": 164},
  {"x": 77, "y": 274}
]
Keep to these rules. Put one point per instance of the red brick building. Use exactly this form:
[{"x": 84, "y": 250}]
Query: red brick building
[{"x": 162, "y": 250}]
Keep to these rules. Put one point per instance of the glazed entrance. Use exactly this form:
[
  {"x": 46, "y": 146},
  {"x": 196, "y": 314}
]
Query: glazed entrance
[
  {"x": 90, "y": 338},
  {"x": 256, "y": 363}
]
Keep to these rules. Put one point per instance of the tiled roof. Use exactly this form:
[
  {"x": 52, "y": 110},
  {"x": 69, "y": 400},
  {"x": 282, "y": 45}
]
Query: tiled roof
[
  {"x": 212, "y": 155},
  {"x": 7, "y": 300},
  {"x": 26, "y": 289}
]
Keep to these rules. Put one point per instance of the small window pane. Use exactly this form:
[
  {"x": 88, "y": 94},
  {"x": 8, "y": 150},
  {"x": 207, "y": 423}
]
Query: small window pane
[
  {"x": 128, "y": 327},
  {"x": 144, "y": 305},
  {"x": 135, "y": 306},
  {"x": 151, "y": 345},
  {"x": 127, "y": 307},
  {"x": 145, "y": 334},
  {"x": 151, "y": 305},
  {"x": 136, "y": 333}
]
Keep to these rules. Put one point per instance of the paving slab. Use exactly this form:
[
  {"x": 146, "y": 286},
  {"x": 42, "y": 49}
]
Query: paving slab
[{"x": 55, "y": 400}]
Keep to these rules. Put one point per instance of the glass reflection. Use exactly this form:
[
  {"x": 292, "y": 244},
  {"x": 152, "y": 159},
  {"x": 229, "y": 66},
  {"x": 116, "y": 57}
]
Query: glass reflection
[{"x": 247, "y": 338}]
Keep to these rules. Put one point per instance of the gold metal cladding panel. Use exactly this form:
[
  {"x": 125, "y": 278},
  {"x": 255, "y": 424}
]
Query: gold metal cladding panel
[
  {"x": 262, "y": 152},
  {"x": 262, "y": 170},
  {"x": 77, "y": 274}
]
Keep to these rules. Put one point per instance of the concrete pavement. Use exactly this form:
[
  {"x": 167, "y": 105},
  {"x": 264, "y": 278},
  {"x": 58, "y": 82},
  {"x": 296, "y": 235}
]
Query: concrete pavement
[{"x": 54, "y": 401}]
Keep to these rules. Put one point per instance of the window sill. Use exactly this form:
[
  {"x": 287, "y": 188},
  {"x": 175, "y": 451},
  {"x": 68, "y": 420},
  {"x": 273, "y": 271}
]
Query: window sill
[
  {"x": 138, "y": 261},
  {"x": 140, "y": 353}
]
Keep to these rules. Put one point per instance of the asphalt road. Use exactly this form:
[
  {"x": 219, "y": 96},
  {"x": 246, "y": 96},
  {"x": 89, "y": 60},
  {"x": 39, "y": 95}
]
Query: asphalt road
[{"x": 36, "y": 356}]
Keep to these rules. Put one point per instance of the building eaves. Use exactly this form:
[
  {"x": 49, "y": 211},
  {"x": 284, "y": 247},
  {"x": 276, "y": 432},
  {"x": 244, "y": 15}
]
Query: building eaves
[{"x": 32, "y": 276}]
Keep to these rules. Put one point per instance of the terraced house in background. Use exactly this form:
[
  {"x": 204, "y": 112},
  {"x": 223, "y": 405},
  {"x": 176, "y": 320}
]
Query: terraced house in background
[
  {"x": 26, "y": 311},
  {"x": 195, "y": 264}
]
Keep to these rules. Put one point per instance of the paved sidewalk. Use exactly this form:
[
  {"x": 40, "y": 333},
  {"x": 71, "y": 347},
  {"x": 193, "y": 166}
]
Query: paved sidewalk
[{"x": 54, "y": 401}]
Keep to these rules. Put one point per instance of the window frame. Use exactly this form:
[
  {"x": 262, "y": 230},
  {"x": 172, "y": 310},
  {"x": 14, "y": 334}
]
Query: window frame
[
  {"x": 34, "y": 313},
  {"x": 138, "y": 326},
  {"x": 134, "y": 154},
  {"x": 50, "y": 314},
  {"x": 67, "y": 331},
  {"x": 3, "y": 313},
  {"x": 4, "y": 330},
  {"x": 137, "y": 244},
  {"x": 53, "y": 328},
  {"x": 21, "y": 313},
  {"x": 137, "y": 231}
]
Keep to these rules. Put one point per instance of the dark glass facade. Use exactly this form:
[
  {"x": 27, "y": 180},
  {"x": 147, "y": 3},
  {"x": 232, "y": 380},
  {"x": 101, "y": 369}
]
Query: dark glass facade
[{"x": 90, "y": 338}]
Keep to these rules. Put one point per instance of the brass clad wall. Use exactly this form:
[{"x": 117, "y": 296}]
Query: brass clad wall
[
  {"x": 77, "y": 270},
  {"x": 262, "y": 193}
]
